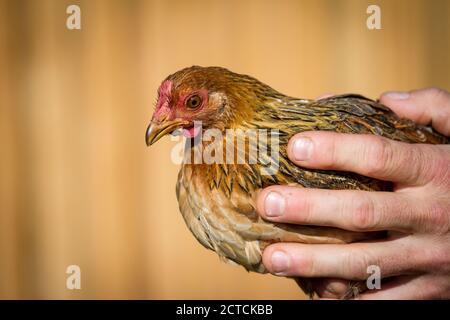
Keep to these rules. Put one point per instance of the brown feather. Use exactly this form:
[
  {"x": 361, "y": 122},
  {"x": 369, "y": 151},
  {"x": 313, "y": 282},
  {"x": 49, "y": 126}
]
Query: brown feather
[{"x": 217, "y": 200}]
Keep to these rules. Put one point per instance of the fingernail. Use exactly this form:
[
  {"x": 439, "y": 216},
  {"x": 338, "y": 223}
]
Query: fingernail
[
  {"x": 280, "y": 262},
  {"x": 397, "y": 95},
  {"x": 302, "y": 148},
  {"x": 274, "y": 204}
]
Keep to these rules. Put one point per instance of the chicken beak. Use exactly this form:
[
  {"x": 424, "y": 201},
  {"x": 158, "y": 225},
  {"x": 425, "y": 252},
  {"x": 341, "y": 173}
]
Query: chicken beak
[{"x": 156, "y": 131}]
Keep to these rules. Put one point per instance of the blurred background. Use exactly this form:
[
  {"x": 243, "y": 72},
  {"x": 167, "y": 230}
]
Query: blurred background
[{"x": 78, "y": 184}]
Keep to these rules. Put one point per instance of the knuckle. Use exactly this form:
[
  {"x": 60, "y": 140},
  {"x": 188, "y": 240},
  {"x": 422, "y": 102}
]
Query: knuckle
[
  {"x": 378, "y": 155},
  {"x": 437, "y": 93},
  {"x": 299, "y": 206},
  {"x": 427, "y": 254},
  {"x": 438, "y": 218},
  {"x": 436, "y": 259},
  {"x": 356, "y": 263},
  {"x": 363, "y": 217},
  {"x": 306, "y": 266},
  {"x": 438, "y": 101},
  {"x": 307, "y": 209},
  {"x": 333, "y": 159},
  {"x": 443, "y": 260},
  {"x": 440, "y": 169},
  {"x": 429, "y": 162}
]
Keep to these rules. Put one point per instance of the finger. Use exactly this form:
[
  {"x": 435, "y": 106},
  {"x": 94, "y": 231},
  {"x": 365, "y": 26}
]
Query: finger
[
  {"x": 368, "y": 155},
  {"x": 409, "y": 288},
  {"x": 425, "y": 106},
  {"x": 346, "y": 209},
  {"x": 330, "y": 288},
  {"x": 349, "y": 261}
]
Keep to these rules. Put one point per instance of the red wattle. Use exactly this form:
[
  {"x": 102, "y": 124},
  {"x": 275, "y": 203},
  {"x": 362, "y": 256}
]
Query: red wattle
[{"x": 191, "y": 132}]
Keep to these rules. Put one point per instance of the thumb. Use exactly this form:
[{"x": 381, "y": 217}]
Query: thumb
[{"x": 424, "y": 106}]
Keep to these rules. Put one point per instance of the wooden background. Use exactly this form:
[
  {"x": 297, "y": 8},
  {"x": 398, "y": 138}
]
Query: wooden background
[{"x": 77, "y": 183}]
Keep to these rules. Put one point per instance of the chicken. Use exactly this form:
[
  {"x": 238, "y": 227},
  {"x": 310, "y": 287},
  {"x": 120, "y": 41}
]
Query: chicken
[{"x": 217, "y": 200}]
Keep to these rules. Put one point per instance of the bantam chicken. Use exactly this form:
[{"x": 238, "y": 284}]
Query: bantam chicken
[{"x": 217, "y": 200}]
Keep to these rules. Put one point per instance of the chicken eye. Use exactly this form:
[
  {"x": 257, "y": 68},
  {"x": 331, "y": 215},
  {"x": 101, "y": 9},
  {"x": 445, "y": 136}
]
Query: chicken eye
[{"x": 193, "y": 102}]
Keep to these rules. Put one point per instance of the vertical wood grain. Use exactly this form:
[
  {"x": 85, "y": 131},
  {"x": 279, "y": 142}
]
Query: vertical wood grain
[{"x": 77, "y": 183}]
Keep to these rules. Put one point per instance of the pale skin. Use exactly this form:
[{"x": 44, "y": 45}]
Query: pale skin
[{"x": 415, "y": 259}]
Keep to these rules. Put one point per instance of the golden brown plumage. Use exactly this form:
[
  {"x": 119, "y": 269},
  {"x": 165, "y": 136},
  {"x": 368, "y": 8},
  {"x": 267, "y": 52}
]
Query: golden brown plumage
[{"x": 217, "y": 200}]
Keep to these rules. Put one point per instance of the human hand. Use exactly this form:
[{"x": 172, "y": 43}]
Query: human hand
[{"x": 416, "y": 255}]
